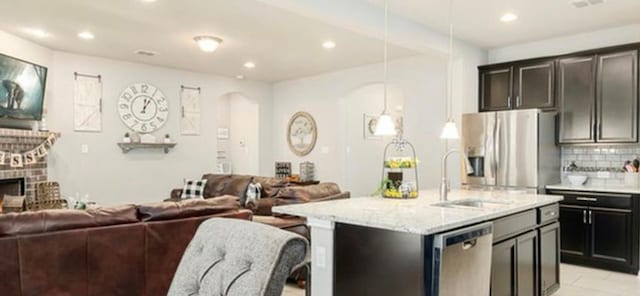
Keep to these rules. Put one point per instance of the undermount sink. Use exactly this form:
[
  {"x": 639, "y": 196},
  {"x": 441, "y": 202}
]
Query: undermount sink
[{"x": 473, "y": 203}]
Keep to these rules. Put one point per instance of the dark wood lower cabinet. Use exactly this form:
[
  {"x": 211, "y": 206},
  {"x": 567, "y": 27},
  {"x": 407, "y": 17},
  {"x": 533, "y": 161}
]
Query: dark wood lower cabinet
[
  {"x": 600, "y": 230},
  {"x": 611, "y": 234},
  {"x": 549, "y": 237},
  {"x": 527, "y": 264},
  {"x": 574, "y": 238},
  {"x": 503, "y": 268}
]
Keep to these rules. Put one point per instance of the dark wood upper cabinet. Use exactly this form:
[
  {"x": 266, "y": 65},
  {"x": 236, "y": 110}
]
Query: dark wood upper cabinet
[
  {"x": 617, "y": 97},
  {"x": 595, "y": 92},
  {"x": 576, "y": 99},
  {"x": 495, "y": 89},
  {"x": 534, "y": 85}
]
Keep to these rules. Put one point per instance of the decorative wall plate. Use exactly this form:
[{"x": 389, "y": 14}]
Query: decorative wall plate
[{"x": 302, "y": 133}]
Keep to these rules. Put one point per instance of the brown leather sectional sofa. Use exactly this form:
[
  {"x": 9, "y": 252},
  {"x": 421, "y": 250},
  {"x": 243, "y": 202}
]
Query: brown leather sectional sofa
[
  {"x": 274, "y": 192},
  {"x": 123, "y": 250}
]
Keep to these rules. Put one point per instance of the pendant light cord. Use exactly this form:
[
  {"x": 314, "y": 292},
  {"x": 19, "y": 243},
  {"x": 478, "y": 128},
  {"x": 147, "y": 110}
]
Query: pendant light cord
[
  {"x": 386, "y": 40},
  {"x": 450, "y": 65}
]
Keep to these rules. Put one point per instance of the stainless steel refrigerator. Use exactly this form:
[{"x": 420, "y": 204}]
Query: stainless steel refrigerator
[{"x": 510, "y": 150}]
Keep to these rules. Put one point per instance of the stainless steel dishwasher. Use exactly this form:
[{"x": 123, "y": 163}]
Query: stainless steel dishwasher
[{"x": 462, "y": 261}]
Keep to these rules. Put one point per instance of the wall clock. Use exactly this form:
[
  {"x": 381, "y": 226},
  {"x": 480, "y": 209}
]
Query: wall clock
[{"x": 143, "y": 107}]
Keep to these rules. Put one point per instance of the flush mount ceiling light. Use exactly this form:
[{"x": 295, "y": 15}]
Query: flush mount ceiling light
[
  {"x": 329, "y": 44},
  {"x": 240, "y": 77},
  {"x": 148, "y": 1},
  {"x": 249, "y": 65},
  {"x": 385, "y": 125},
  {"x": 37, "y": 32},
  {"x": 86, "y": 35},
  {"x": 208, "y": 43},
  {"x": 508, "y": 17}
]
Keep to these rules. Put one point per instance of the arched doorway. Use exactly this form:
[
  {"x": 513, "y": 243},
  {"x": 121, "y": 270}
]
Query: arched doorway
[{"x": 238, "y": 141}]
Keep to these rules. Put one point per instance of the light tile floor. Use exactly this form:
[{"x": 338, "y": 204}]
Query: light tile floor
[
  {"x": 292, "y": 290},
  {"x": 574, "y": 281},
  {"x": 581, "y": 281}
]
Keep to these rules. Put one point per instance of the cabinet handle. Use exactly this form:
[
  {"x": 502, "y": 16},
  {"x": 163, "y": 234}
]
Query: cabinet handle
[
  {"x": 552, "y": 213},
  {"x": 592, "y": 199},
  {"x": 509, "y": 102},
  {"x": 584, "y": 217},
  {"x": 600, "y": 130},
  {"x": 590, "y": 216},
  {"x": 518, "y": 101}
]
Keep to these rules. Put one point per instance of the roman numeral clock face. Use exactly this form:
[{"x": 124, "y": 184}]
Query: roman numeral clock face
[{"x": 143, "y": 107}]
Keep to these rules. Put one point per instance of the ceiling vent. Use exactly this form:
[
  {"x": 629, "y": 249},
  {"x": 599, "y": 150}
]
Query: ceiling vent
[
  {"x": 585, "y": 3},
  {"x": 146, "y": 53}
]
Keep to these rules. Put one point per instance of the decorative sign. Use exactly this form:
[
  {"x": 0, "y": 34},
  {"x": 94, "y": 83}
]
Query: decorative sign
[
  {"x": 143, "y": 107},
  {"x": 87, "y": 99},
  {"x": 302, "y": 133},
  {"x": 18, "y": 160},
  {"x": 190, "y": 101}
]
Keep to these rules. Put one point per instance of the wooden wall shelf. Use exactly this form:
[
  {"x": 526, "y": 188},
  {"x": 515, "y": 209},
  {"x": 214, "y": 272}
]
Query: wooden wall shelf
[{"x": 126, "y": 147}]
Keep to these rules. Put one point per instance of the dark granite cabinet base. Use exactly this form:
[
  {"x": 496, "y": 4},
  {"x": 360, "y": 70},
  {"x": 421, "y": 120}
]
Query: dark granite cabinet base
[{"x": 376, "y": 262}]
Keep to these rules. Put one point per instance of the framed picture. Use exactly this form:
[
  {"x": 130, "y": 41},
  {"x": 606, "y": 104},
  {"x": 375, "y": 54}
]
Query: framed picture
[
  {"x": 223, "y": 133},
  {"x": 369, "y": 126},
  {"x": 302, "y": 133},
  {"x": 22, "y": 88}
]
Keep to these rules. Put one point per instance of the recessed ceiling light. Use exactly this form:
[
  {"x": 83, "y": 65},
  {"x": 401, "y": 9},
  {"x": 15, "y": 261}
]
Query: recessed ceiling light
[
  {"x": 329, "y": 44},
  {"x": 508, "y": 17},
  {"x": 86, "y": 35},
  {"x": 240, "y": 77},
  {"x": 208, "y": 43},
  {"x": 249, "y": 65},
  {"x": 37, "y": 32},
  {"x": 144, "y": 52},
  {"x": 148, "y": 1}
]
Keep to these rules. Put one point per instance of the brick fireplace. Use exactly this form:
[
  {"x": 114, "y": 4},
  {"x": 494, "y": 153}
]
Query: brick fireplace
[{"x": 19, "y": 141}]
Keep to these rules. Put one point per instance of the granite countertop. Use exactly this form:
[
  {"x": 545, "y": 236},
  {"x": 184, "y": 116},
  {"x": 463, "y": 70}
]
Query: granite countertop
[
  {"x": 418, "y": 216},
  {"x": 597, "y": 188}
]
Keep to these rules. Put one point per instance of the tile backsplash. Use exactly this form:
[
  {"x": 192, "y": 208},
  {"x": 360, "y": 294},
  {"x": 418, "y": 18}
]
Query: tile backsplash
[{"x": 593, "y": 159}]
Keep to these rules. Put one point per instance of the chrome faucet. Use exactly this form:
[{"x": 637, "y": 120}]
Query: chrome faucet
[{"x": 444, "y": 186}]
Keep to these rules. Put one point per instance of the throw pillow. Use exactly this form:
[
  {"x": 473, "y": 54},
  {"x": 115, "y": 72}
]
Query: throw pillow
[
  {"x": 193, "y": 189},
  {"x": 254, "y": 192}
]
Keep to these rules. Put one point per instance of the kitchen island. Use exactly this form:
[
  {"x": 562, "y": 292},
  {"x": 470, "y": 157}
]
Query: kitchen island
[{"x": 374, "y": 246}]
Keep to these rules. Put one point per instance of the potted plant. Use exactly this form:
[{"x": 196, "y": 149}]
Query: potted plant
[{"x": 127, "y": 138}]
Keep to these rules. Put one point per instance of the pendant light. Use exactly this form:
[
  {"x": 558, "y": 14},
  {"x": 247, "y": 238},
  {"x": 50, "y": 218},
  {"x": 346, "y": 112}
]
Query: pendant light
[
  {"x": 450, "y": 131},
  {"x": 385, "y": 125}
]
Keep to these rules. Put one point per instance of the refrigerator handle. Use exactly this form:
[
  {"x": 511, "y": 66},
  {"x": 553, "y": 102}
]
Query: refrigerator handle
[{"x": 496, "y": 148}]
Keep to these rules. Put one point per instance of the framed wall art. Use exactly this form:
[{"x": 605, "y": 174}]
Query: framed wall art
[
  {"x": 302, "y": 133},
  {"x": 369, "y": 126}
]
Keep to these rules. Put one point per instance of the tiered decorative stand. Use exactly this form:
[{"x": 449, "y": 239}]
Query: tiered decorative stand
[{"x": 399, "y": 170}]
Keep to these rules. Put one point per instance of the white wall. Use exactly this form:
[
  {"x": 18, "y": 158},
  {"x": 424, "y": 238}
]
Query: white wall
[
  {"x": 567, "y": 44},
  {"x": 105, "y": 173},
  {"x": 422, "y": 82}
]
